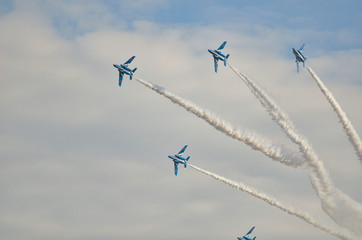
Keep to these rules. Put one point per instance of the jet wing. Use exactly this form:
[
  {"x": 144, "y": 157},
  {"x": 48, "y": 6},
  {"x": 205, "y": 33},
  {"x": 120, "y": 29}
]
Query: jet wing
[
  {"x": 215, "y": 64},
  {"x": 120, "y": 78},
  {"x": 176, "y": 169},
  {"x": 301, "y": 48},
  {"x": 222, "y": 46},
  {"x": 130, "y": 60},
  {"x": 250, "y": 231},
  {"x": 182, "y": 150}
]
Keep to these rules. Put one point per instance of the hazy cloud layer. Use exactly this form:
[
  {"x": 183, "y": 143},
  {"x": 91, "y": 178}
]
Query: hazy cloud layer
[{"x": 82, "y": 158}]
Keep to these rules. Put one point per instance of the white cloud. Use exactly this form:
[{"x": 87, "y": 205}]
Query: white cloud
[{"x": 88, "y": 158}]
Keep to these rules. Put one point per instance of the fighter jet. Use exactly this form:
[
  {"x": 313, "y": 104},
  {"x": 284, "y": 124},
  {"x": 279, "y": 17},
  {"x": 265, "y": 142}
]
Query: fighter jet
[
  {"x": 177, "y": 158},
  {"x": 299, "y": 57},
  {"x": 246, "y": 236},
  {"x": 123, "y": 69},
  {"x": 218, "y": 55}
]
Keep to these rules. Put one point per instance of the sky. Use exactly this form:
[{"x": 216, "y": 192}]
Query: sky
[{"x": 82, "y": 158}]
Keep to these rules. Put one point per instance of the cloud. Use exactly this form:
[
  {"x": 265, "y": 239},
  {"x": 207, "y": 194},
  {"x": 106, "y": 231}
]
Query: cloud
[{"x": 90, "y": 159}]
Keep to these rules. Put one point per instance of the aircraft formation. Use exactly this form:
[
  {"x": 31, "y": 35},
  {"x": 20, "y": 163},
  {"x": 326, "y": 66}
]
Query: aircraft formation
[{"x": 217, "y": 56}]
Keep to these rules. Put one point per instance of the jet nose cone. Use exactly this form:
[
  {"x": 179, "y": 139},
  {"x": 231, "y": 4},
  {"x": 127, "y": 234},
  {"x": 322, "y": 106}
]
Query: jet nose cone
[{"x": 209, "y": 50}]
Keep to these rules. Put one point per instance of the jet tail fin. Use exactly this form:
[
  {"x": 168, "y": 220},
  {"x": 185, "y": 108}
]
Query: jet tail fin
[
  {"x": 185, "y": 162},
  {"x": 227, "y": 56},
  {"x": 131, "y": 75}
]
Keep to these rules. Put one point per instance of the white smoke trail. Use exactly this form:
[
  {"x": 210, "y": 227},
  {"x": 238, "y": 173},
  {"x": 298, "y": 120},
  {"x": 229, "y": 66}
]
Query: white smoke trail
[
  {"x": 347, "y": 125},
  {"x": 286, "y": 124},
  {"x": 278, "y": 154},
  {"x": 340, "y": 207},
  {"x": 273, "y": 202}
]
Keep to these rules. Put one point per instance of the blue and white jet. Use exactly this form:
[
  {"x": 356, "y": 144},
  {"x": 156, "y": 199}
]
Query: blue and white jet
[
  {"x": 123, "y": 69},
  {"x": 299, "y": 57},
  {"x": 177, "y": 159},
  {"x": 218, "y": 55},
  {"x": 246, "y": 236}
]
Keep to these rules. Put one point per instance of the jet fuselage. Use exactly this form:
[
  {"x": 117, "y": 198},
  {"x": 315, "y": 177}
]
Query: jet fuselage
[
  {"x": 217, "y": 54},
  {"x": 123, "y": 69},
  {"x": 298, "y": 56},
  {"x": 177, "y": 159}
]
